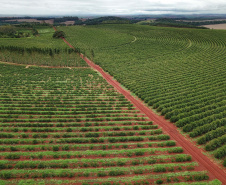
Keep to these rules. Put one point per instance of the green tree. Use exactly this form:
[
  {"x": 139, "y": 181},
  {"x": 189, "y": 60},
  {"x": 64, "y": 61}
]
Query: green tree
[{"x": 59, "y": 34}]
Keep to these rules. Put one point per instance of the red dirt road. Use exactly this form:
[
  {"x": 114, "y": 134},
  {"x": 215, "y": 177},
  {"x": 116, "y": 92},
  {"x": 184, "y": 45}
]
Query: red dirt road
[{"x": 215, "y": 172}]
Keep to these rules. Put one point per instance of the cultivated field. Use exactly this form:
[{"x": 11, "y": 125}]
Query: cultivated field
[
  {"x": 70, "y": 126},
  {"x": 66, "y": 125},
  {"x": 179, "y": 72},
  {"x": 39, "y": 50}
]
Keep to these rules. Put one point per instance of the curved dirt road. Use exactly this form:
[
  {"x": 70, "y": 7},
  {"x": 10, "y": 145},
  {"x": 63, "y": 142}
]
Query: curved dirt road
[{"x": 215, "y": 172}]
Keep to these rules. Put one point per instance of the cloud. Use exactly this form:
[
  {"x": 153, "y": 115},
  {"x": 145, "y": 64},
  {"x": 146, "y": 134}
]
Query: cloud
[{"x": 110, "y": 7}]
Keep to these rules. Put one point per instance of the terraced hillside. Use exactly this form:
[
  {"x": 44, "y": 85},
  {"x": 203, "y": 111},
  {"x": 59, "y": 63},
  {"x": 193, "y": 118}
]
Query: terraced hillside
[
  {"x": 68, "y": 126},
  {"x": 179, "y": 72}
]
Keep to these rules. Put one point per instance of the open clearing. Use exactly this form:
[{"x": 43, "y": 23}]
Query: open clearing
[{"x": 216, "y": 26}]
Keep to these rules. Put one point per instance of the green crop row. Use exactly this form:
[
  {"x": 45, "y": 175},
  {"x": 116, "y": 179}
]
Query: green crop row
[
  {"x": 101, "y": 153},
  {"x": 137, "y": 180},
  {"x": 100, "y": 172},
  {"x": 53, "y": 147},
  {"x": 86, "y": 163}
]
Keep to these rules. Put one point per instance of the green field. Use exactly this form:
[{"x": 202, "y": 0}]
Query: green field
[
  {"x": 70, "y": 124},
  {"x": 67, "y": 125},
  {"x": 42, "y": 49},
  {"x": 179, "y": 72},
  {"x": 43, "y": 40}
]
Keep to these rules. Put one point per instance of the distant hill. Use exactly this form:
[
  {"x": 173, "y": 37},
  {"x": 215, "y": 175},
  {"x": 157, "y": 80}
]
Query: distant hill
[
  {"x": 189, "y": 21},
  {"x": 109, "y": 20}
]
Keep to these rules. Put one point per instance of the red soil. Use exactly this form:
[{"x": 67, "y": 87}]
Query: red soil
[
  {"x": 52, "y": 67},
  {"x": 196, "y": 153}
]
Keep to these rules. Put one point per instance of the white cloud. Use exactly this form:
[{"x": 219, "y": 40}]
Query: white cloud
[{"x": 60, "y": 7}]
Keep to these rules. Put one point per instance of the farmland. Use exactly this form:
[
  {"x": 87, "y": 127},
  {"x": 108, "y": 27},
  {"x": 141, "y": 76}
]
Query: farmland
[
  {"x": 178, "y": 72},
  {"x": 71, "y": 126},
  {"x": 41, "y": 49},
  {"x": 62, "y": 123},
  {"x": 216, "y": 26}
]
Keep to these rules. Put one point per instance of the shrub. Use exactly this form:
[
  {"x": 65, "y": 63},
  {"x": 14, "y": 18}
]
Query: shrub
[
  {"x": 170, "y": 143},
  {"x": 139, "y": 153},
  {"x": 86, "y": 174},
  {"x": 139, "y": 171},
  {"x": 135, "y": 163},
  {"x": 56, "y": 156},
  {"x": 116, "y": 173},
  {"x": 176, "y": 150},
  {"x": 159, "y": 169},
  {"x": 40, "y": 156},
  {"x": 101, "y": 174},
  {"x": 175, "y": 179},
  {"x": 159, "y": 181},
  {"x": 6, "y": 175},
  {"x": 135, "y": 128},
  {"x": 168, "y": 180},
  {"x": 64, "y": 165},
  {"x": 188, "y": 178},
  {"x": 45, "y": 175},
  {"x": 92, "y": 135},
  {"x": 170, "y": 169},
  {"x": 212, "y": 145},
  {"x": 69, "y": 130},
  {"x": 152, "y": 161},
  {"x": 179, "y": 168},
  {"x": 163, "y": 137},
  {"x": 65, "y": 147},
  {"x": 120, "y": 163},
  {"x": 41, "y": 165},
  {"x": 71, "y": 175},
  {"x": 12, "y": 148},
  {"x": 55, "y": 148},
  {"x": 125, "y": 146},
  {"x": 139, "y": 145},
  {"x": 2, "y": 166},
  {"x": 12, "y": 156},
  {"x": 220, "y": 152},
  {"x": 190, "y": 168},
  {"x": 34, "y": 142},
  {"x": 59, "y": 34},
  {"x": 182, "y": 159},
  {"x": 201, "y": 177},
  {"x": 224, "y": 163}
]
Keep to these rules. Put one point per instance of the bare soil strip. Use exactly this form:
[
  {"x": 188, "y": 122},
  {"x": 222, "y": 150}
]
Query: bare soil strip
[
  {"x": 216, "y": 26},
  {"x": 27, "y": 66},
  {"x": 197, "y": 154}
]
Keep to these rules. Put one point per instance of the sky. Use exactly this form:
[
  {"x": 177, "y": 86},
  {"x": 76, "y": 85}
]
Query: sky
[{"x": 111, "y": 7}]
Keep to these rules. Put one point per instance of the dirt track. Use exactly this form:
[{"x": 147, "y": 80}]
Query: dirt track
[
  {"x": 205, "y": 163},
  {"x": 42, "y": 66}
]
